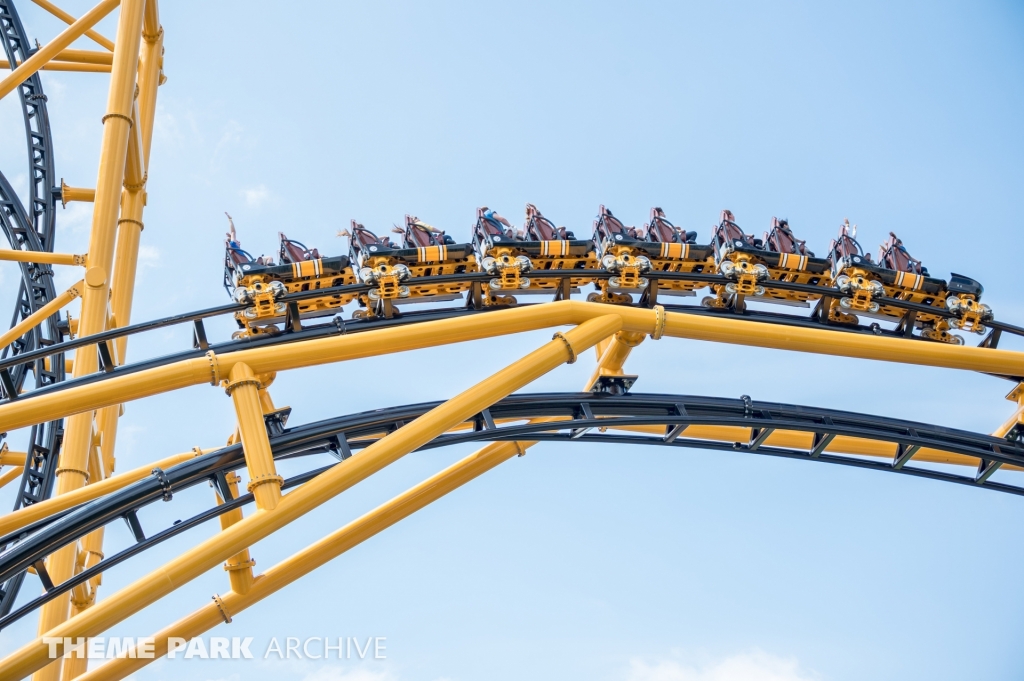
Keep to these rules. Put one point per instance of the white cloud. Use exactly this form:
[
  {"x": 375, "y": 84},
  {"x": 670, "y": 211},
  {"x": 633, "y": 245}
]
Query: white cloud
[
  {"x": 149, "y": 256},
  {"x": 256, "y": 196},
  {"x": 753, "y": 666}
]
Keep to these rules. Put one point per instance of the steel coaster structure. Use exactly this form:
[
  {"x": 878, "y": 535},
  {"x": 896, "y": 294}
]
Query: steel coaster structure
[{"x": 290, "y": 314}]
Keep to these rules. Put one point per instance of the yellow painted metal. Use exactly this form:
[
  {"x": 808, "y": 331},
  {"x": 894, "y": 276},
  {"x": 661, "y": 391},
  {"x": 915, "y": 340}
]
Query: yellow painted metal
[
  {"x": 9, "y": 458},
  {"x": 1015, "y": 395},
  {"x": 150, "y": 78},
  {"x": 135, "y": 164},
  {"x": 564, "y": 347},
  {"x": 117, "y": 122},
  {"x": 129, "y": 229},
  {"x": 316, "y": 555},
  {"x": 614, "y": 355},
  {"x": 239, "y": 566},
  {"x": 65, "y": 66},
  {"x": 842, "y": 444},
  {"x": 116, "y": 390},
  {"x": 69, "y": 194},
  {"x": 50, "y": 50},
  {"x": 611, "y": 357},
  {"x": 43, "y": 313},
  {"x": 126, "y": 260},
  {"x": 96, "y": 37},
  {"x": 264, "y": 482},
  {"x": 42, "y": 257},
  {"x": 151, "y": 28},
  {"x": 10, "y": 476},
  {"x": 85, "y": 57}
]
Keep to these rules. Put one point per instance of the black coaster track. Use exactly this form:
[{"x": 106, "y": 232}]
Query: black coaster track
[
  {"x": 31, "y": 230},
  {"x": 584, "y": 417}
]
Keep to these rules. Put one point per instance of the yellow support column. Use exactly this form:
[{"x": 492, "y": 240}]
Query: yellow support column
[
  {"x": 614, "y": 355},
  {"x": 302, "y": 563},
  {"x": 37, "y": 317},
  {"x": 126, "y": 258},
  {"x": 564, "y": 347},
  {"x": 74, "y": 456},
  {"x": 10, "y": 476},
  {"x": 264, "y": 482},
  {"x": 50, "y": 50},
  {"x": 239, "y": 566}
]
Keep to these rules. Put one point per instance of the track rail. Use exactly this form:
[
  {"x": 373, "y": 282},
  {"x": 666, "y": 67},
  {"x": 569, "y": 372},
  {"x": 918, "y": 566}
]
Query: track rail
[
  {"x": 31, "y": 230},
  {"x": 337, "y": 325},
  {"x": 580, "y": 417}
]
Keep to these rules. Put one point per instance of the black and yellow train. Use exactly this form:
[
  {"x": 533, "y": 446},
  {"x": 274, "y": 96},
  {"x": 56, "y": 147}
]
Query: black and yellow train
[
  {"x": 518, "y": 259},
  {"x": 397, "y": 270},
  {"x": 260, "y": 283},
  {"x": 749, "y": 262},
  {"x": 425, "y": 265},
  {"x": 868, "y": 286},
  {"x": 630, "y": 253}
]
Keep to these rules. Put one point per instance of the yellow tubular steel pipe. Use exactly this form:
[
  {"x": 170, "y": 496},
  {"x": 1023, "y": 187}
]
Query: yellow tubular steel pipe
[
  {"x": 41, "y": 257},
  {"x": 130, "y": 225},
  {"x": 611, "y": 356},
  {"x": 74, "y": 455},
  {"x": 239, "y": 566},
  {"x": 126, "y": 255},
  {"x": 151, "y": 20},
  {"x": 69, "y": 194},
  {"x": 50, "y": 50},
  {"x": 1008, "y": 425},
  {"x": 28, "y": 411},
  {"x": 149, "y": 80},
  {"x": 794, "y": 439},
  {"x": 11, "y": 475},
  {"x": 210, "y": 369},
  {"x": 9, "y": 458},
  {"x": 85, "y": 57},
  {"x": 264, "y": 482},
  {"x": 65, "y": 66},
  {"x": 99, "y": 39},
  {"x": 563, "y": 347},
  {"x": 616, "y": 350},
  {"x": 40, "y": 315},
  {"x": 135, "y": 164},
  {"x": 316, "y": 555}
]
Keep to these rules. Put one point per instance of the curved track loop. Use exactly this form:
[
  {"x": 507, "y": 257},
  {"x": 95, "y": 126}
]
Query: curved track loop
[
  {"x": 295, "y": 332},
  {"x": 32, "y": 230},
  {"x": 658, "y": 420}
]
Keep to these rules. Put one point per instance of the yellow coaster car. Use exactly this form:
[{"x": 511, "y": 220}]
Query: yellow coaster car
[
  {"x": 629, "y": 253},
  {"x": 511, "y": 255},
  {"x": 261, "y": 284},
  {"x": 751, "y": 263},
  {"x": 397, "y": 270},
  {"x": 898, "y": 276}
]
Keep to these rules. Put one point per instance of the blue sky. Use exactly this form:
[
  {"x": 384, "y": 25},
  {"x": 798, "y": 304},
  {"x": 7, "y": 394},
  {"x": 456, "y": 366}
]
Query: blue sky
[{"x": 587, "y": 562}]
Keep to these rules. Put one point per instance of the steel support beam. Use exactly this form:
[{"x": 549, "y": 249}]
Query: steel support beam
[
  {"x": 223, "y": 608},
  {"x": 49, "y": 51},
  {"x": 243, "y": 386},
  {"x": 40, "y": 315},
  {"x": 96, "y": 37},
  {"x": 43, "y": 258},
  {"x": 117, "y": 124},
  {"x": 564, "y": 347},
  {"x": 430, "y": 334}
]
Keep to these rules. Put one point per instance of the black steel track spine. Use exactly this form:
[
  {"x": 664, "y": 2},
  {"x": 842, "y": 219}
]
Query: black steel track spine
[
  {"x": 32, "y": 230},
  {"x": 584, "y": 415}
]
